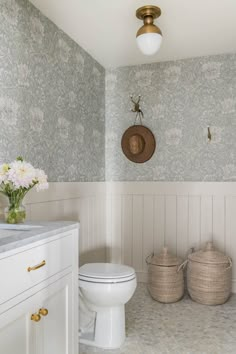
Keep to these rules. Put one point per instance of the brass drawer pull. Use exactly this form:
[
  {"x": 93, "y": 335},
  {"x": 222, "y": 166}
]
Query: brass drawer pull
[
  {"x": 42, "y": 264},
  {"x": 43, "y": 312},
  {"x": 35, "y": 317}
]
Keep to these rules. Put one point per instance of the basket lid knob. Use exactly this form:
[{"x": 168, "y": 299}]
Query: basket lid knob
[
  {"x": 209, "y": 246},
  {"x": 164, "y": 251}
]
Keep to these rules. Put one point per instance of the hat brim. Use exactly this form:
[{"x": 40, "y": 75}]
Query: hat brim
[{"x": 149, "y": 143}]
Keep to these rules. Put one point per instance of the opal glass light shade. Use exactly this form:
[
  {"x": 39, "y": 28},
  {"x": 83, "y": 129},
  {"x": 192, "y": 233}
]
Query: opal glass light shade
[{"x": 149, "y": 43}]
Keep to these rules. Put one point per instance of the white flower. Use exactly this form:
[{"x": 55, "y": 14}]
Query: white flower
[
  {"x": 41, "y": 178},
  {"x": 21, "y": 174},
  {"x": 3, "y": 172},
  {"x": 18, "y": 177}
]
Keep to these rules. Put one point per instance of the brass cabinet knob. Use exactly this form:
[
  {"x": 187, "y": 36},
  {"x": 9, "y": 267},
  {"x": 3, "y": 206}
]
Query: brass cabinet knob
[
  {"x": 35, "y": 317},
  {"x": 43, "y": 312}
]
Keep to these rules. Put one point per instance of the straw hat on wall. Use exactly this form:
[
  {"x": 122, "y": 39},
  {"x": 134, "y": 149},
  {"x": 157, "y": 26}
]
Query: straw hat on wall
[{"x": 138, "y": 143}]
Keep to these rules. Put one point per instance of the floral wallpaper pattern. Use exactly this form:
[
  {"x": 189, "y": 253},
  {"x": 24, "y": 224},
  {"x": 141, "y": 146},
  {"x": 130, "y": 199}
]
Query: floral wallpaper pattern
[
  {"x": 179, "y": 100},
  {"x": 52, "y": 97},
  {"x": 53, "y": 112}
]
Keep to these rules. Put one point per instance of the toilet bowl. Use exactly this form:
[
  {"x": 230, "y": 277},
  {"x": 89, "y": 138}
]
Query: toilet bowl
[{"x": 105, "y": 288}]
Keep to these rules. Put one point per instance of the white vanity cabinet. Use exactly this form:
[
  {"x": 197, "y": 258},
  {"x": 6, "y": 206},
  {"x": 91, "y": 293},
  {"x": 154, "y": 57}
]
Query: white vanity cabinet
[
  {"x": 39, "y": 297},
  {"x": 52, "y": 334}
]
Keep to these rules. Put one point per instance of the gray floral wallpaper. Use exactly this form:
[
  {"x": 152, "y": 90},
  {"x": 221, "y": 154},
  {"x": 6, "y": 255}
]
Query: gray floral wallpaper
[
  {"x": 179, "y": 99},
  {"x": 52, "y": 97},
  {"x": 52, "y": 108}
]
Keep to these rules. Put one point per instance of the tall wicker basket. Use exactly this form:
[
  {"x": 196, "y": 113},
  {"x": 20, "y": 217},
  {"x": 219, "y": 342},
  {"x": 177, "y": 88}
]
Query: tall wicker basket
[
  {"x": 209, "y": 276},
  {"x": 165, "y": 277}
]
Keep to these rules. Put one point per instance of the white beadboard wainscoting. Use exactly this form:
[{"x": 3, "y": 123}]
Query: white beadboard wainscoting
[
  {"x": 143, "y": 217},
  {"x": 127, "y": 221}
]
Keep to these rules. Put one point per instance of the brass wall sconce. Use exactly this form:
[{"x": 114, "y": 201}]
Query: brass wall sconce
[{"x": 149, "y": 36}]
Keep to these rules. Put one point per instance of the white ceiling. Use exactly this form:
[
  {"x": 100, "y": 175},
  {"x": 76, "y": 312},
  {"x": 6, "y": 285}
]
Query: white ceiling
[{"x": 107, "y": 28}]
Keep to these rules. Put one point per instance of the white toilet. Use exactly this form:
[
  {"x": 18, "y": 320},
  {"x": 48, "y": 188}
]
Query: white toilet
[{"x": 104, "y": 289}]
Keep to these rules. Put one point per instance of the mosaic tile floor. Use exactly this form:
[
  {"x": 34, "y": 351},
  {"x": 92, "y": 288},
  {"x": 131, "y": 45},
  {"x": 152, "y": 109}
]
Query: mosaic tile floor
[{"x": 181, "y": 328}]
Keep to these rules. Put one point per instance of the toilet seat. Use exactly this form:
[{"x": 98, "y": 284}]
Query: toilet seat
[
  {"x": 106, "y": 273},
  {"x": 106, "y": 281}
]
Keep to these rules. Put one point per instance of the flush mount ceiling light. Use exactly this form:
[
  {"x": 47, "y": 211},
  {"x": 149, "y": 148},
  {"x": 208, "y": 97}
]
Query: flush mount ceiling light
[{"x": 149, "y": 36}]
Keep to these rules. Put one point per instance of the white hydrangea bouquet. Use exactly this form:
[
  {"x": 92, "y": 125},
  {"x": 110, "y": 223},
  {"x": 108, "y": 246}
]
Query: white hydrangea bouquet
[{"x": 16, "y": 179}]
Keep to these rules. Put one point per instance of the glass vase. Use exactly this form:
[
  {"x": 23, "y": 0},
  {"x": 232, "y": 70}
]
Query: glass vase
[{"x": 15, "y": 213}]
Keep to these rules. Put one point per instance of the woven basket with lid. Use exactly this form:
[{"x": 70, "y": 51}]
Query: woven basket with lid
[
  {"x": 209, "y": 276},
  {"x": 165, "y": 277}
]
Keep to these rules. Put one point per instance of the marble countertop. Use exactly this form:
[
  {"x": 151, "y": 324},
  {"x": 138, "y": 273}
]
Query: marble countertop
[{"x": 31, "y": 232}]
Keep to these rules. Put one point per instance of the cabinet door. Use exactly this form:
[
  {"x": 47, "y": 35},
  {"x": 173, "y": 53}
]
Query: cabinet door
[
  {"x": 57, "y": 326},
  {"x": 54, "y": 333},
  {"x": 16, "y": 333}
]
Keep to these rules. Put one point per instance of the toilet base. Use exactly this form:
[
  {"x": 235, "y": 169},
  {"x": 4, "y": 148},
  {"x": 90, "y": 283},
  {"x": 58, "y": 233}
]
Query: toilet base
[{"x": 109, "y": 328}]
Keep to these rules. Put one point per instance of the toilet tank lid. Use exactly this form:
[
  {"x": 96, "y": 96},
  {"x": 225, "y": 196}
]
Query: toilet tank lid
[{"x": 106, "y": 270}]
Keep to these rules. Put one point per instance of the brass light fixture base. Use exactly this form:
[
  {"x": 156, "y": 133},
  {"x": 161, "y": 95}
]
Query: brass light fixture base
[
  {"x": 148, "y": 13},
  {"x": 148, "y": 10}
]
